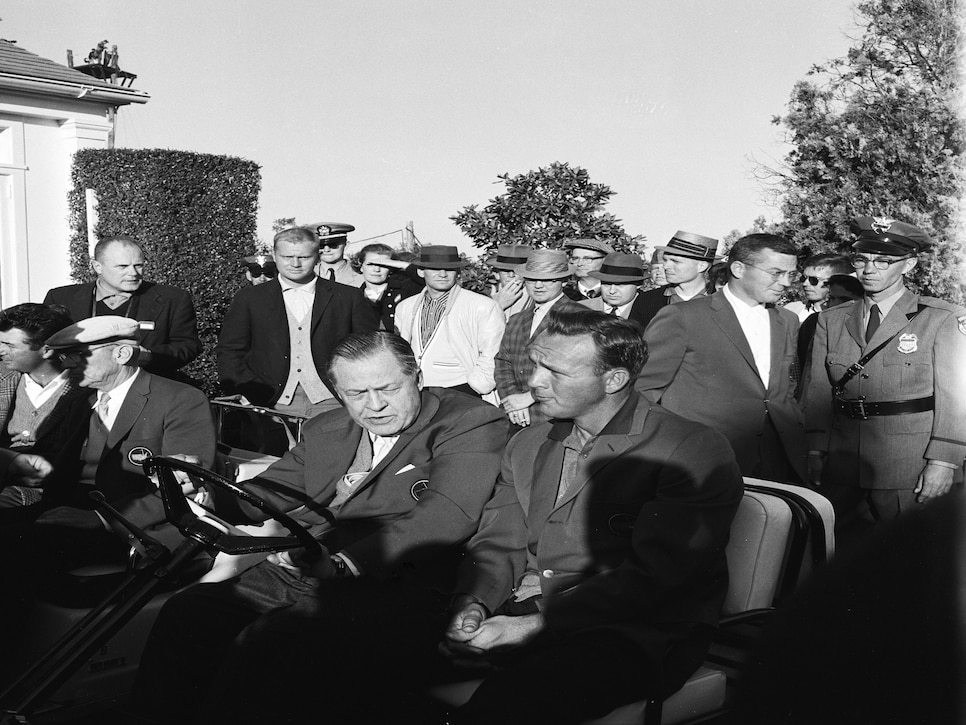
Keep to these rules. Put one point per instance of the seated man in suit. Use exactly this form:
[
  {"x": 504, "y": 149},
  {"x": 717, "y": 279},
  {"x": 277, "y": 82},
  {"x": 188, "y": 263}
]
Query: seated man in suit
[
  {"x": 595, "y": 578},
  {"x": 36, "y": 392},
  {"x": 392, "y": 484},
  {"x": 120, "y": 289},
  {"x": 135, "y": 415},
  {"x": 620, "y": 278}
]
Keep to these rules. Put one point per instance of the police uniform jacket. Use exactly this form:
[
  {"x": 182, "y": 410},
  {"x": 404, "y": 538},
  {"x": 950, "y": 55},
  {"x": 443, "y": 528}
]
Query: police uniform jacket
[
  {"x": 636, "y": 542},
  {"x": 415, "y": 506},
  {"x": 173, "y": 342},
  {"x": 926, "y": 358}
]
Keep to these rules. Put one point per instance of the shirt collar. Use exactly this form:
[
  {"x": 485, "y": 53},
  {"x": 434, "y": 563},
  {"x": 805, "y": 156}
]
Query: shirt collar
[
  {"x": 308, "y": 288},
  {"x": 740, "y": 306},
  {"x": 102, "y": 292}
]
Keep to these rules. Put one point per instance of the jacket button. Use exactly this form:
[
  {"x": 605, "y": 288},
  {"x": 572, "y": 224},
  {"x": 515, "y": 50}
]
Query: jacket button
[
  {"x": 865, "y": 376},
  {"x": 547, "y": 573}
]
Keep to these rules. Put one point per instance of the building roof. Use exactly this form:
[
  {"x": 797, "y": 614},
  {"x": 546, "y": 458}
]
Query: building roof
[{"x": 21, "y": 66}]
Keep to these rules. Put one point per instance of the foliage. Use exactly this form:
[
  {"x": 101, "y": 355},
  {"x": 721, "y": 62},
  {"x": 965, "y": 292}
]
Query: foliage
[
  {"x": 544, "y": 208},
  {"x": 194, "y": 215},
  {"x": 876, "y": 133},
  {"x": 283, "y": 223}
]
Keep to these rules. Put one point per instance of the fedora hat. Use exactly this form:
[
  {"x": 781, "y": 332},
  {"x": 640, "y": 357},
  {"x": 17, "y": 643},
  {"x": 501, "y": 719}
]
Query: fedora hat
[
  {"x": 692, "y": 246},
  {"x": 546, "y": 264},
  {"x": 439, "y": 256},
  {"x": 621, "y": 268},
  {"x": 509, "y": 256}
]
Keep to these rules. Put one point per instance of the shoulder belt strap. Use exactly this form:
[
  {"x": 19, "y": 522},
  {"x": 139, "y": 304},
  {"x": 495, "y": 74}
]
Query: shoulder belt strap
[{"x": 858, "y": 366}]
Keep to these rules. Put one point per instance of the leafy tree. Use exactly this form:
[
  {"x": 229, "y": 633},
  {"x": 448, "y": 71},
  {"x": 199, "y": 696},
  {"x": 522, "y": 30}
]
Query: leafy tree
[
  {"x": 544, "y": 208},
  {"x": 283, "y": 223},
  {"x": 876, "y": 132}
]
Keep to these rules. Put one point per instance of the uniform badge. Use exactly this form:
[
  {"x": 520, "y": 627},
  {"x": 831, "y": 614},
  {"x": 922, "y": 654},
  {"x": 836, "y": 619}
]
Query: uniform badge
[
  {"x": 322, "y": 230},
  {"x": 881, "y": 224},
  {"x": 138, "y": 455},
  {"x": 418, "y": 488},
  {"x": 908, "y": 343},
  {"x": 962, "y": 324}
]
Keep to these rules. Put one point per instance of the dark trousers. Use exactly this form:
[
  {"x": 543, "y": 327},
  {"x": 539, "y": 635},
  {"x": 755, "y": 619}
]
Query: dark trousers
[{"x": 361, "y": 651}]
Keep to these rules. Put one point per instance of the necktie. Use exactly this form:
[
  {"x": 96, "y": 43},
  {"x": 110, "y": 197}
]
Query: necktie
[
  {"x": 873, "y": 322},
  {"x": 331, "y": 275},
  {"x": 612, "y": 311},
  {"x": 102, "y": 408}
]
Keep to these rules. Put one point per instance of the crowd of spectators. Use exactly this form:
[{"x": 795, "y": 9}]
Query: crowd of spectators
[{"x": 416, "y": 388}]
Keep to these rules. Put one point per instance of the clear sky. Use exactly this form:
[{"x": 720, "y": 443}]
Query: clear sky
[{"x": 384, "y": 111}]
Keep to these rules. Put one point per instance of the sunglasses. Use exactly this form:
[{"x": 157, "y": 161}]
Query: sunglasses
[
  {"x": 815, "y": 281},
  {"x": 267, "y": 270}
]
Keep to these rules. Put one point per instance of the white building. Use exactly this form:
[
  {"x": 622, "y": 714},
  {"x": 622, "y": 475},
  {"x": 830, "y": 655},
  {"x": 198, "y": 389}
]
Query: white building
[{"x": 47, "y": 112}]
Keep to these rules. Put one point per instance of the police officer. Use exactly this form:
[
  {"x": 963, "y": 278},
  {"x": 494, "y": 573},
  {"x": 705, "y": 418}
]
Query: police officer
[{"x": 886, "y": 401}]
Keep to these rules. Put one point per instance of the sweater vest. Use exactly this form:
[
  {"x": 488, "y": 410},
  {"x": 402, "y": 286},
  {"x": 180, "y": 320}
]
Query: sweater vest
[
  {"x": 302, "y": 370},
  {"x": 27, "y": 417}
]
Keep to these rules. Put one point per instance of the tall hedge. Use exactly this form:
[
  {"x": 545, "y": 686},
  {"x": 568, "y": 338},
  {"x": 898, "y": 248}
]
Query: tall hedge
[{"x": 194, "y": 215}]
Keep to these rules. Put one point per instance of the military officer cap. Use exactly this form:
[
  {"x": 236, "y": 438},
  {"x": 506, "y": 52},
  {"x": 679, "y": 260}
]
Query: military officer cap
[
  {"x": 595, "y": 244},
  {"x": 880, "y": 235},
  {"x": 331, "y": 233},
  {"x": 97, "y": 331}
]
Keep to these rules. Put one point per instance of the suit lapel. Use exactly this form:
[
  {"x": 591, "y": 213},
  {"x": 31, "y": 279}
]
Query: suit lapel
[
  {"x": 776, "y": 331},
  {"x": 896, "y": 319},
  {"x": 726, "y": 319},
  {"x": 429, "y": 407},
  {"x": 323, "y": 293},
  {"x": 149, "y": 307},
  {"x": 127, "y": 416},
  {"x": 546, "y": 480},
  {"x": 854, "y": 324}
]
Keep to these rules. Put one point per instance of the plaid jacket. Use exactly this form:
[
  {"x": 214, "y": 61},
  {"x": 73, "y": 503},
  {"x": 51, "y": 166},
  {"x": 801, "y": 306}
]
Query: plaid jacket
[{"x": 513, "y": 367}]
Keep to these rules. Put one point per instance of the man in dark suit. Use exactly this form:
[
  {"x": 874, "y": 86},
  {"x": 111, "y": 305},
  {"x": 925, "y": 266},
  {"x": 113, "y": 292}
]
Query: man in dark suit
[
  {"x": 727, "y": 361},
  {"x": 620, "y": 278},
  {"x": 120, "y": 289},
  {"x": 685, "y": 263},
  {"x": 544, "y": 275},
  {"x": 392, "y": 485},
  {"x": 136, "y": 415},
  {"x": 594, "y": 580},
  {"x": 276, "y": 336}
]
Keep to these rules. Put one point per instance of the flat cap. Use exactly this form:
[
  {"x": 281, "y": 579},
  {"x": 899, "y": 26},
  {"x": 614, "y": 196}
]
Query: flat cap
[
  {"x": 881, "y": 235},
  {"x": 97, "y": 330},
  {"x": 333, "y": 232},
  {"x": 596, "y": 244}
]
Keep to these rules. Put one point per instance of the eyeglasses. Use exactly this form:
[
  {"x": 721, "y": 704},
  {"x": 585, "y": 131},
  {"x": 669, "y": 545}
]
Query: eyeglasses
[
  {"x": 267, "y": 270},
  {"x": 82, "y": 353},
  {"x": 584, "y": 260},
  {"x": 776, "y": 274},
  {"x": 859, "y": 261},
  {"x": 815, "y": 281}
]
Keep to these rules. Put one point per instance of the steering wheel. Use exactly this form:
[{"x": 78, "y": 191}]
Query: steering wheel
[{"x": 208, "y": 528}]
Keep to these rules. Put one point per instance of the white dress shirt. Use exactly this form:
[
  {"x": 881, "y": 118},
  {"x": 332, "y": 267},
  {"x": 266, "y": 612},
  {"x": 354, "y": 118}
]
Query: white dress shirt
[{"x": 757, "y": 329}]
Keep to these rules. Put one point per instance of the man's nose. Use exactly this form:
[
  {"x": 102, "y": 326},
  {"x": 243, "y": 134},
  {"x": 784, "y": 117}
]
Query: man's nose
[{"x": 375, "y": 400}]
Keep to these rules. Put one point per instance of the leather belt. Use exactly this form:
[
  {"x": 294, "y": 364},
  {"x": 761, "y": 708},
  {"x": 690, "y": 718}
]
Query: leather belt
[{"x": 861, "y": 409}]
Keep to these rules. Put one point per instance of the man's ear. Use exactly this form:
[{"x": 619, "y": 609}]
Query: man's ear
[
  {"x": 739, "y": 266},
  {"x": 912, "y": 262},
  {"x": 419, "y": 380},
  {"x": 48, "y": 353},
  {"x": 616, "y": 380},
  {"x": 96, "y": 267},
  {"x": 124, "y": 353},
  {"x": 421, "y": 273}
]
